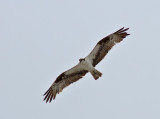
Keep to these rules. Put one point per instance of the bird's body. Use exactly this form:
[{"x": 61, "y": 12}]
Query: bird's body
[{"x": 85, "y": 65}]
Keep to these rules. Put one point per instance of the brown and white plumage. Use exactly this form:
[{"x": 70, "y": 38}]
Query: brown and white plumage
[
  {"x": 63, "y": 80},
  {"x": 104, "y": 45},
  {"x": 85, "y": 65}
]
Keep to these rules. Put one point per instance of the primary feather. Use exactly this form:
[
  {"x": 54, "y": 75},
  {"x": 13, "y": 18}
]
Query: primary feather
[{"x": 85, "y": 65}]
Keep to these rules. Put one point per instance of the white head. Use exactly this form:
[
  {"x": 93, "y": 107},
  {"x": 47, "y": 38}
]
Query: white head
[{"x": 81, "y": 59}]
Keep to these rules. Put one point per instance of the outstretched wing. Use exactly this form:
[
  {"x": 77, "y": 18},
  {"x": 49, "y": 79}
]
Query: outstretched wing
[
  {"x": 104, "y": 45},
  {"x": 63, "y": 80}
]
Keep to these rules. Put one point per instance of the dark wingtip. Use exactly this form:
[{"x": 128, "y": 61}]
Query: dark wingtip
[
  {"x": 48, "y": 95},
  {"x": 46, "y": 92},
  {"x": 122, "y": 30}
]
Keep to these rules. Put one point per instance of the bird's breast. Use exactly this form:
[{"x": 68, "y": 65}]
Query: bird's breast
[{"x": 87, "y": 65}]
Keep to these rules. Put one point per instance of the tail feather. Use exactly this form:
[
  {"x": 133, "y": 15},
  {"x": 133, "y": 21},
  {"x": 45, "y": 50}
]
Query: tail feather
[{"x": 96, "y": 74}]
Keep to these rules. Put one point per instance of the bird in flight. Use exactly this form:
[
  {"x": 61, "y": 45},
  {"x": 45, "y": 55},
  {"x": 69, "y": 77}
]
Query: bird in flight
[{"x": 86, "y": 64}]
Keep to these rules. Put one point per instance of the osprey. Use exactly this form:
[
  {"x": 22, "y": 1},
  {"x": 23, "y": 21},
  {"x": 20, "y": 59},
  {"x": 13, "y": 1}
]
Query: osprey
[{"x": 86, "y": 64}]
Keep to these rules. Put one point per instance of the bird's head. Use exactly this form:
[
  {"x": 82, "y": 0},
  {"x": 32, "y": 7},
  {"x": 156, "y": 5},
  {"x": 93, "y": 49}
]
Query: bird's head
[{"x": 82, "y": 59}]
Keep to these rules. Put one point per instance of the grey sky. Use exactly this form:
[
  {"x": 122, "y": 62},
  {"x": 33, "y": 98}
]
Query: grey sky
[{"x": 39, "y": 39}]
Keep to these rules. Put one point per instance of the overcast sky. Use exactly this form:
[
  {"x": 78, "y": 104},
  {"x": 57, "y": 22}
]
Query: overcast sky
[{"x": 40, "y": 39}]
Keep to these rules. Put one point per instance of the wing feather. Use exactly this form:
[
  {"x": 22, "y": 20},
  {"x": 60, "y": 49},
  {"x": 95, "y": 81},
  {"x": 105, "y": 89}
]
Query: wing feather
[
  {"x": 104, "y": 45},
  {"x": 74, "y": 74},
  {"x": 63, "y": 80}
]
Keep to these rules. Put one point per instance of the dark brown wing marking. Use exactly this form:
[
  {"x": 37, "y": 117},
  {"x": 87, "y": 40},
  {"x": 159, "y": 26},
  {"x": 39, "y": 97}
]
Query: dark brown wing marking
[
  {"x": 61, "y": 82},
  {"x": 104, "y": 45},
  {"x": 74, "y": 74}
]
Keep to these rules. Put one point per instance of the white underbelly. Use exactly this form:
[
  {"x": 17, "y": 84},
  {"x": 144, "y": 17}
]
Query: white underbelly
[{"x": 87, "y": 65}]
